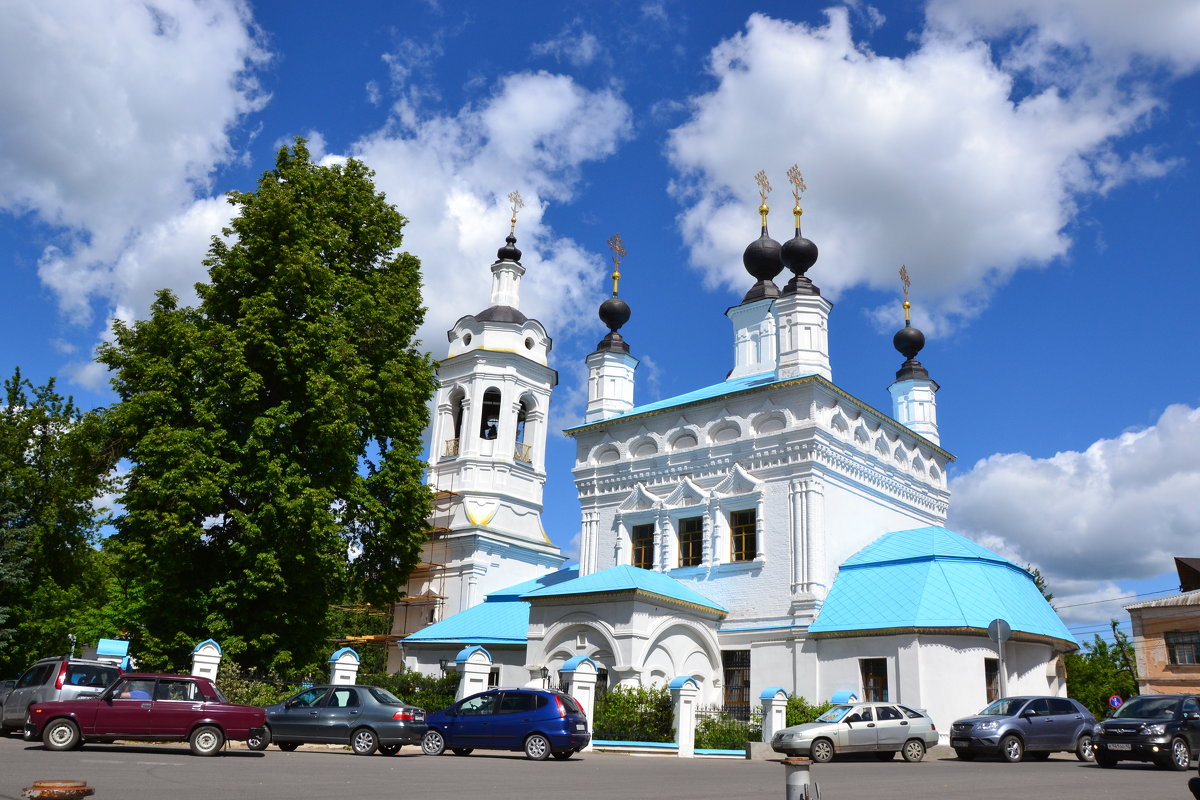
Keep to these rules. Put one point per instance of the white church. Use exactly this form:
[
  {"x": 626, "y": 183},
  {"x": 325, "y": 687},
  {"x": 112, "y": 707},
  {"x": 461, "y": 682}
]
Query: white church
[{"x": 768, "y": 530}]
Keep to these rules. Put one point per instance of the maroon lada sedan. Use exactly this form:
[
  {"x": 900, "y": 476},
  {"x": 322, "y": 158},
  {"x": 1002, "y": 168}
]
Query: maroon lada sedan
[{"x": 149, "y": 708}]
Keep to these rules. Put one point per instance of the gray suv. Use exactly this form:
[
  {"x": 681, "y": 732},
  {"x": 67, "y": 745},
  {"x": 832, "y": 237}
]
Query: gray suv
[
  {"x": 1026, "y": 727},
  {"x": 54, "y": 679}
]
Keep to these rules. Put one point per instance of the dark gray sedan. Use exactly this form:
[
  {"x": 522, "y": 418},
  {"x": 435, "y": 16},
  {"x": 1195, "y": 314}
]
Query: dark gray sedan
[{"x": 366, "y": 718}]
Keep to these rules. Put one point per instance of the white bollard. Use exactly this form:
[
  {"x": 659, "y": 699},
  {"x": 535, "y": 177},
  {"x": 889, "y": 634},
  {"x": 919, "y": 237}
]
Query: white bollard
[{"x": 800, "y": 785}]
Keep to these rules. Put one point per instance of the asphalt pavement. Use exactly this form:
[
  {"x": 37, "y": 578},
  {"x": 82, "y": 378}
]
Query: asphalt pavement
[{"x": 170, "y": 772}]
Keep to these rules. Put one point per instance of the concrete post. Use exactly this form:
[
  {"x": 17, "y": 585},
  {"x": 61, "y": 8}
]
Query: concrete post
[
  {"x": 343, "y": 667},
  {"x": 474, "y": 666},
  {"x": 774, "y": 711},
  {"x": 799, "y": 784},
  {"x": 684, "y": 691},
  {"x": 206, "y": 658},
  {"x": 579, "y": 675}
]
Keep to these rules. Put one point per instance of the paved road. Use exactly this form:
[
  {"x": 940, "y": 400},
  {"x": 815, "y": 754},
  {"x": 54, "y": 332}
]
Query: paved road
[{"x": 169, "y": 772}]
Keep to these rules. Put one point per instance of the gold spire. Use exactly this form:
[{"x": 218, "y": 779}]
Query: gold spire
[
  {"x": 618, "y": 248},
  {"x": 764, "y": 189},
  {"x": 904, "y": 280},
  {"x": 514, "y": 197},
  {"x": 798, "y": 188}
]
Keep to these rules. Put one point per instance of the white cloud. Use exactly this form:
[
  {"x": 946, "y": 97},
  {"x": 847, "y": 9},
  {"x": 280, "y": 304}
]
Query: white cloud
[
  {"x": 119, "y": 118},
  {"x": 573, "y": 44},
  {"x": 1122, "y": 509},
  {"x": 451, "y": 174},
  {"x": 929, "y": 160}
]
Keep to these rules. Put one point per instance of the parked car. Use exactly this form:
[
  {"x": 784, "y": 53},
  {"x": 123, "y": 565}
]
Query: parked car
[
  {"x": 881, "y": 728},
  {"x": 540, "y": 722},
  {"x": 1025, "y": 727},
  {"x": 58, "y": 678},
  {"x": 1163, "y": 728},
  {"x": 150, "y": 708},
  {"x": 5, "y": 688},
  {"x": 365, "y": 717}
]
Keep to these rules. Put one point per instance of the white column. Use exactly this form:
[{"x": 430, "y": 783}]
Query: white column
[
  {"x": 474, "y": 665},
  {"x": 581, "y": 673},
  {"x": 774, "y": 711},
  {"x": 814, "y": 536},
  {"x": 343, "y": 667},
  {"x": 684, "y": 691}
]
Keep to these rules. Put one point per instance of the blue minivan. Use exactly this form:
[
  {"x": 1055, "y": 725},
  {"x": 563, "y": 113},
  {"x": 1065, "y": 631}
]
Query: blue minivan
[{"x": 541, "y": 722}]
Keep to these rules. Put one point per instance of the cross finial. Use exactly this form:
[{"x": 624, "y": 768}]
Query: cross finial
[
  {"x": 798, "y": 188},
  {"x": 764, "y": 189},
  {"x": 618, "y": 248},
  {"x": 514, "y": 198},
  {"x": 907, "y": 283}
]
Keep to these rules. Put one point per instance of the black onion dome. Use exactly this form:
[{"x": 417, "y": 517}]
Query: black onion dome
[
  {"x": 798, "y": 255},
  {"x": 762, "y": 260},
  {"x": 909, "y": 341},
  {"x": 614, "y": 312},
  {"x": 509, "y": 252}
]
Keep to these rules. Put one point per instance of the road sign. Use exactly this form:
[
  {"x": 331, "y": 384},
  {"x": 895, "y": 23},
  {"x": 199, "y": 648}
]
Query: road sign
[
  {"x": 1115, "y": 701},
  {"x": 999, "y": 631}
]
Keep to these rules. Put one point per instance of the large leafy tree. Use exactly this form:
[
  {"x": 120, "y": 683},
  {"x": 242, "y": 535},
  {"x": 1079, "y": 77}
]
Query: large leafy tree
[
  {"x": 273, "y": 432},
  {"x": 50, "y": 475},
  {"x": 1100, "y": 670}
]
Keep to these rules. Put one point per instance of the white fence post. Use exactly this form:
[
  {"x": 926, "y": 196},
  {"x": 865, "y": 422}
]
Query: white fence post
[
  {"x": 684, "y": 691},
  {"x": 474, "y": 666},
  {"x": 580, "y": 673},
  {"x": 343, "y": 667},
  {"x": 206, "y": 658},
  {"x": 774, "y": 710}
]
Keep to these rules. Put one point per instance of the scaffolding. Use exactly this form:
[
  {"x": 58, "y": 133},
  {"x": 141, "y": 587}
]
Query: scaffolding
[{"x": 419, "y": 610}]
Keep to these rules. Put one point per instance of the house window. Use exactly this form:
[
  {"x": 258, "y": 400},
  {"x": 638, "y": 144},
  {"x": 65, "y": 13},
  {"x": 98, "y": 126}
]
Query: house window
[
  {"x": 991, "y": 678},
  {"x": 642, "y": 537},
  {"x": 691, "y": 535},
  {"x": 1183, "y": 648},
  {"x": 736, "y": 664},
  {"x": 874, "y": 679},
  {"x": 743, "y": 535}
]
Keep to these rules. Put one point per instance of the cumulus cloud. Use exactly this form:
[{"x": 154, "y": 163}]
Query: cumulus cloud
[
  {"x": 534, "y": 133},
  {"x": 122, "y": 113},
  {"x": 1123, "y": 509},
  {"x": 935, "y": 159}
]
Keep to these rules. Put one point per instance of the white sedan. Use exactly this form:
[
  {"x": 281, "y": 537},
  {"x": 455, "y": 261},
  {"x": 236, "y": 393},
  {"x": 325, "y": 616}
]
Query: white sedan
[{"x": 881, "y": 728}]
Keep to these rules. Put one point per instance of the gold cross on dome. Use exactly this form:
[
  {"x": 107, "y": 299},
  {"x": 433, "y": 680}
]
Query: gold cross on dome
[
  {"x": 907, "y": 283},
  {"x": 618, "y": 248},
  {"x": 764, "y": 185},
  {"x": 797, "y": 181},
  {"x": 514, "y": 198}
]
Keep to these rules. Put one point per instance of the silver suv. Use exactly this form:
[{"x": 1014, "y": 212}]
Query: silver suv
[
  {"x": 54, "y": 679},
  {"x": 1025, "y": 727}
]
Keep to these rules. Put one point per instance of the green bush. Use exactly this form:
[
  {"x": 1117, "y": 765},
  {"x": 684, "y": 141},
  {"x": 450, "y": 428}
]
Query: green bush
[
  {"x": 800, "y": 710},
  {"x": 720, "y": 731},
  {"x": 248, "y": 689},
  {"x": 635, "y": 714},
  {"x": 430, "y": 692}
]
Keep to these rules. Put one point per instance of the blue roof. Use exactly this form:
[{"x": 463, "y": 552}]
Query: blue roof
[
  {"x": 705, "y": 393},
  {"x": 934, "y": 578},
  {"x": 502, "y": 618},
  {"x": 624, "y": 578}
]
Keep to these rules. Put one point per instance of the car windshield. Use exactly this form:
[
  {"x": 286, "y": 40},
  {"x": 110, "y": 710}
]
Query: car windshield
[
  {"x": 1004, "y": 708},
  {"x": 835, "y": 714},
  {"x": 1148, "y": 708},
  {"x": 384, "y": 696}
]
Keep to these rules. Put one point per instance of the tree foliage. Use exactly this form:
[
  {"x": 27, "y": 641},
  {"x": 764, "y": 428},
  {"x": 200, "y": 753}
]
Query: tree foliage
[
  {"x": 50, "y": 474},
  {"x": 273, "y": 431},
  {"x": 1101, "y": 670}
]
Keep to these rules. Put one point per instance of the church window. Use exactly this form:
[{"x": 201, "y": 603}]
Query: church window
[
  {"x": 642, "y": 537},
  {"x": 522, "y": 451},
  {"x": 1183, "y": 648},
  {"x": 736, "y": 666},
  {"x": 691, "y": 540},
  {"x": 991, "y": 678},
  {"x": 874, "y": 679},
  {"x": 743, "y": 535},
  {"x": 489, "y": 426}
]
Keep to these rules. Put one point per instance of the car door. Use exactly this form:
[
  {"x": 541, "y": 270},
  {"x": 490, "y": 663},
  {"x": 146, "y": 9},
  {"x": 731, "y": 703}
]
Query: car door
[
  {"x": 24, "y": 694},
  {"x": 514, "y": 718},
  {"x": 1190, "y": 724},
  {"x": 471, "y": 724},
  {"x": 1038, "y": 724},
  {"x": 1066, "y": 719},
  {"x": 892, "y": 728},
  {"x": 339, "y": 714},
  {"x": 299, "y": 719},
  {"x": 125, "y": 709},
  {"x": 859, "y": 730},
  {"x": 176, "y": 704}
]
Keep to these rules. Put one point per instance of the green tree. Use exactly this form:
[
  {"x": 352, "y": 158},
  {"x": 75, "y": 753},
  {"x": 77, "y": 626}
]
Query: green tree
[
  {"x": 50, "y": 476},
  {"x": 1101, "y": 670},
  {"x": 274, "y": 431}
]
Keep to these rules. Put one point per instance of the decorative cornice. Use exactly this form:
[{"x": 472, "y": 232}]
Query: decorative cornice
[{"x": 617, "y": 595}]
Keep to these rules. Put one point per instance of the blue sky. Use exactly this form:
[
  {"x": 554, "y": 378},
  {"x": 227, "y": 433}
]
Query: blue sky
[{"x": 1034, "y": 163}]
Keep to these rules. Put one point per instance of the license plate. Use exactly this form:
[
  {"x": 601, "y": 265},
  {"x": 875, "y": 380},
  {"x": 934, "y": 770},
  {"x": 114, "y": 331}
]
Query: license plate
[
  {"x": 580, "y": 726},
  {"x": 959, "y": 742},
  {"x": 1119, "y": 746}
]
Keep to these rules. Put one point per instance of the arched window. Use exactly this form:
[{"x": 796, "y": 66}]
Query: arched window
[
  {"x": 489, "y": 425},
  {"x": 522, "y": 414},
  {"x": 456, "y": 412}
]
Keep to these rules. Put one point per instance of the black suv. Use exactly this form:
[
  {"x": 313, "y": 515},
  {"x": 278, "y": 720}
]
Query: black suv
[
  {"x": 1025, "y": 727},
  {"x": 59, "y": 678},
  {"x": 1163, "y": 728}
]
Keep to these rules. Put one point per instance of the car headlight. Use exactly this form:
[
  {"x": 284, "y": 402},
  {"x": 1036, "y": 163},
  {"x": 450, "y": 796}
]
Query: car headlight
[
  {"x": 1097, "y": 730},
  {"x": 987, "y": 726},
  {"x": 1157, "y": 729},
  {"x": 788, "y": 737}
]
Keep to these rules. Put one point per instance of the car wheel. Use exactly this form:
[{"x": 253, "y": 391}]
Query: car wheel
[
  {"x": 61, "y": 734},
  {"x": 257, "y": 743},
  {"x": 1083, "y": 748},
  {"x": 390, "y": 749},
  {"x": 1105, "y": 761},
  {"x": 206, "y": 741},
  {"x": 563, "y": 755},
  {"x": 287, "y": 747},
  {"x": 462, "y": 751},
  {"x": 965, "y": 755},
  {"x": 537, "y": 747},
  {"x": 913, "y": 750},
  {"x": 885, "y": 755},
  {"x": 1181, "y": 755},
  {"x": 364, "y": 742},
  {"x": 434, "y": 744},
  {"x": 821, "y": 751},
  {"x": 1012, "y": 749}
]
